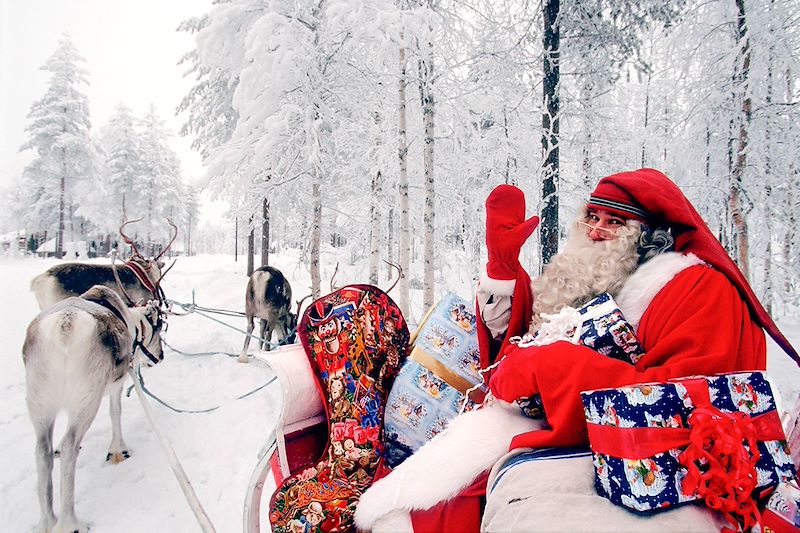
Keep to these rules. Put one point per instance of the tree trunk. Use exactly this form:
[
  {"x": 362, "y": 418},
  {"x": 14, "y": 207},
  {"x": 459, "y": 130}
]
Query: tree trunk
[
  {"x": 767, "y": 299},
  {"x": 550, "y": 130},
  {"x": 428, "y": 116},
  {"x": 587, "y": 98},
  {"x": 646, "y": 117},
  {"x": 251, "y": 244},
  {"x": 404, "y": 240},
  {"x": 60, "y": 233},
  {"x": 189, "y": 236},
  {"x": 316, "y": 234},
  {"x": 265, "y": 232},
  {"x": 735, "y": 195},
  {"x": 375, "y": 211},
  {"x": 375, "y": 230},
  {"x": 390, "y": 244},
  {"x": 511, "y": 161},
  {"x": 790, "y": 232}
]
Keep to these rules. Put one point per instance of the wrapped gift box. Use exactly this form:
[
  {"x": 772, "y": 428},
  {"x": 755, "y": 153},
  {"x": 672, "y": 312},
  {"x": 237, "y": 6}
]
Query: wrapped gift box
[
  {"x": 598, "y": 325},
  {"x": 606, "y": 331},
  {"x": 430, "y": 389},
  {"x": 639, "y": 434},
  {"x": 782, "y": 513}
]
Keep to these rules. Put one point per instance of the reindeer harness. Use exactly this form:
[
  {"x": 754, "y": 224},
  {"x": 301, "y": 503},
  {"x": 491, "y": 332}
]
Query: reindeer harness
[{"x": 141, "y": 274}]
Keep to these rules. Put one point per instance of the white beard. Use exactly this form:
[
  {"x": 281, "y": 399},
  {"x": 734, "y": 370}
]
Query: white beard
[{"x": 584, "y": 269}]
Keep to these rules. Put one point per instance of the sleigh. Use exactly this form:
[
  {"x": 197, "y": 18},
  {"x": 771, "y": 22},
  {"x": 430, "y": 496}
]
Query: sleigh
[{"x": 554, "y": 488}]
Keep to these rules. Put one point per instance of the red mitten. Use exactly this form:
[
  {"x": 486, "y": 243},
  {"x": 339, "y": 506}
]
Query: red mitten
[{"x": 506, "y": 231}]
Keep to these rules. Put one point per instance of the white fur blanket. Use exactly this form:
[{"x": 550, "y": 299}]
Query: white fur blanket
[{"x": 439, "y": 470}]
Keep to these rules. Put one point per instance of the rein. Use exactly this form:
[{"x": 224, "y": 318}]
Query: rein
[
  {"x": 177, "y": 469},
  {"x": 139, "y": 343}
]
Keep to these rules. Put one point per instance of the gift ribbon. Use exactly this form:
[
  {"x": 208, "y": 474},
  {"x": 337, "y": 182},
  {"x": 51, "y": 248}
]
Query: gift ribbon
[
  {"x": 440, "y": 370},
  {"x": 715, "y": 439}
]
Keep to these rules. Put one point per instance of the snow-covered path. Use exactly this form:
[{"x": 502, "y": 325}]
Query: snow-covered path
[{"x": 218, "y": 449}]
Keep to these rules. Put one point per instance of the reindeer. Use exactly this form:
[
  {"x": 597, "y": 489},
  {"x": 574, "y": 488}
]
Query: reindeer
[
  {"x": 74, "y": 352},
  {"x": 268, "y": 297},
  {"x": 141, "y": 277}
]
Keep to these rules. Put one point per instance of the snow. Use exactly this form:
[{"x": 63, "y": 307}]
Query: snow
[{"x": 219, "y": 449}]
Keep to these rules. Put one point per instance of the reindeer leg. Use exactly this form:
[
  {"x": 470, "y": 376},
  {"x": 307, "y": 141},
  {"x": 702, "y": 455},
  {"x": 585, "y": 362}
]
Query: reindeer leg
[
  {"x": 42, "y": 409},
  {"x": 118, "y": 450},
  {"x": 80, "y": 418},
  {"x": 250, "y": 328},
  {"x": 266, "y": 334},
  {"x": 283, "y": 331},
  {"x": 44, "y": 471}
]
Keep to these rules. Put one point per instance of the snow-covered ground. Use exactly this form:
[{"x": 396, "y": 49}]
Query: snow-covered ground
[{"x": 218, "y": 449}]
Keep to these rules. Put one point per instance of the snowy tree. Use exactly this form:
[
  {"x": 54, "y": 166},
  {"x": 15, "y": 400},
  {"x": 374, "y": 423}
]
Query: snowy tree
[
  {"x": 124, "y": 162},
  {"x": 158, "y": 186},
  {"x": 215, "y": 64},
  {"x": 284, "y": 113},
  {"x": 59, "y": 132}
]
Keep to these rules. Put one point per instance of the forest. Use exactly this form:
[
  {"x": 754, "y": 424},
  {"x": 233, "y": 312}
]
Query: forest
[{"x": 383, "y": 125}]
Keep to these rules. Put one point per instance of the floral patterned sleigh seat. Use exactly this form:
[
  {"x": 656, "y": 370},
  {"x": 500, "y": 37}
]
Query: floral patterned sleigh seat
[{"x": 329, "y": 438}]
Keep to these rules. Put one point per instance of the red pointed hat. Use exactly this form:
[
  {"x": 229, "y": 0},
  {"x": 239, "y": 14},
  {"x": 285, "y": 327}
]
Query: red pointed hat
[{"x": 647, "y": 194}]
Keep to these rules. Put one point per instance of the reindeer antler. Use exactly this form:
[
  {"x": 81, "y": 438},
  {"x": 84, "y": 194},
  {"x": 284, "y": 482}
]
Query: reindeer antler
[
  {"x": 300, "y": 304},
  {"x": 333, "y": 277},
  {"x": 116, "y": 277},
  {"x": 157, "y": 284},
  {"x": 174, "y": 236},
  {"x": 127, "y": 239},
  {"x": 399, "y": 274}
]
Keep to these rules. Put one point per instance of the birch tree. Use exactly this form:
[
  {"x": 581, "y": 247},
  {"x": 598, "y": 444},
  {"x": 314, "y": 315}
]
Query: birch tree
[
  {"x": 404, "y": 231},
  {"x": 742, "y": 97},
  {"x": 425, "y": 68}
]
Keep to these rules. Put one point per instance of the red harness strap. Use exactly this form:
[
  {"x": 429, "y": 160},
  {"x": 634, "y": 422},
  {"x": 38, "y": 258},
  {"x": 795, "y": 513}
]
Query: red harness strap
[{"x": 141, "y": 275}]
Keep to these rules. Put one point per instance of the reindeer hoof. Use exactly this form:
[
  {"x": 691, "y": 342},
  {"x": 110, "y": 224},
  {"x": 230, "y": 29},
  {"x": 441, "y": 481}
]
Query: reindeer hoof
[
  {"x": 243, "y": 358},
  {"x": 74, "y": 527},
  {"x": 117, "y": 457}
]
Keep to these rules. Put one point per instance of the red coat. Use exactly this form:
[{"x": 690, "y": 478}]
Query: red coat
[{"x": 698, "y": 323}]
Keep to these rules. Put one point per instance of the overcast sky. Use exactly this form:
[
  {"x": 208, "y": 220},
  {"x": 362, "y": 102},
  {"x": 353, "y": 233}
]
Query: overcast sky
[{"x": 131, "y": 50}]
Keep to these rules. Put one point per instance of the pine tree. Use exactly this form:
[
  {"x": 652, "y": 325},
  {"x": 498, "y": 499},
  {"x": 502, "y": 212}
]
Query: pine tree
[
  {"x": 59, "y": 133},
  {"x": 124, "y": 161}
]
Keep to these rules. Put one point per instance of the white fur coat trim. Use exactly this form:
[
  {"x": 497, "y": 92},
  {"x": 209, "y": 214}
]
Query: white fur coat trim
[
  {"x": 642, "y": 286},
  {"x": 499, "y": 287},
  {"x": 439, "y": 470}
]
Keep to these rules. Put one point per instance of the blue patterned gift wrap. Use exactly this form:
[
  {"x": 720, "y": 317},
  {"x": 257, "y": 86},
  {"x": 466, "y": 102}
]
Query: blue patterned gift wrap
[
  {"x": 429, "y": 390},
  {"x": 782, "y": 513},
  {"x": 604, "y": 330},
  {"x": 607, "y": 332},
  {"x": 655, "y": 481}
]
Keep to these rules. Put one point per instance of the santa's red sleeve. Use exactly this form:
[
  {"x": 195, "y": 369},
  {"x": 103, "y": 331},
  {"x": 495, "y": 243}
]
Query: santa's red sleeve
[
  {"x": 521, "y": 315},
  {"x": 697, "y": 324}
]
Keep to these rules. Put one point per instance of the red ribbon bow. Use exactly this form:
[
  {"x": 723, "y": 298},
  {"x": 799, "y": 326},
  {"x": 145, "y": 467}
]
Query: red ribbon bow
[{"x": 728, "y": 476}]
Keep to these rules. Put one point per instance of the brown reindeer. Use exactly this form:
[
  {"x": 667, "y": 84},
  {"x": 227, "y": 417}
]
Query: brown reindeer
[
  {"x": 268, "y": 297},
  {"x": 141, "y": 277}
]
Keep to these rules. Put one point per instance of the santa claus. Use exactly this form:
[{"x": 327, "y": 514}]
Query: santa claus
[{"x": 639, "y": 239}]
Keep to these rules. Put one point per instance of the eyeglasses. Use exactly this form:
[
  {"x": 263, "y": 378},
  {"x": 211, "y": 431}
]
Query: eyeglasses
[{"x": 604, "y": 231}]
